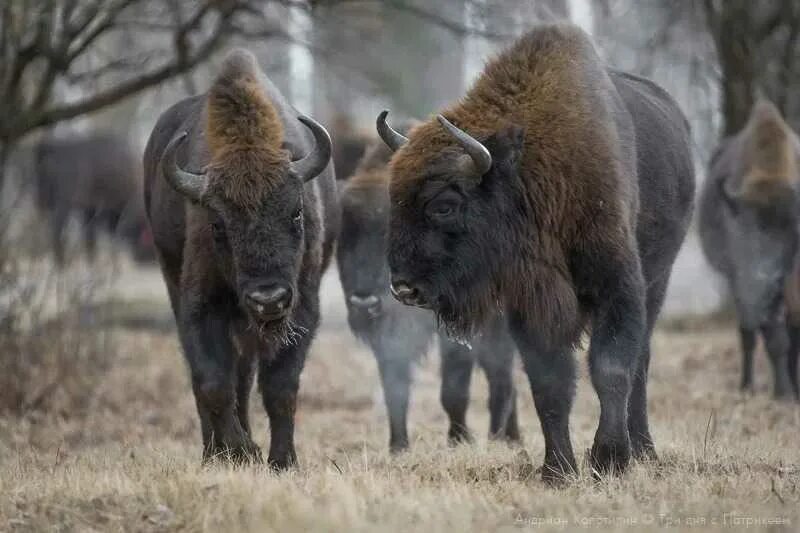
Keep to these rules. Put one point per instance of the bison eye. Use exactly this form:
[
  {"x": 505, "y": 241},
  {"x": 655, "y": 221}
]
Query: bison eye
[
  {"x": 298, "y": 215},
  {"x": 443, "y": 208},
  {"x": 218, "y": 230}
]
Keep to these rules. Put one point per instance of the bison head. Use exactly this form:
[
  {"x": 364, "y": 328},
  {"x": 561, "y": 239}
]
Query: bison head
[
  {"x": 361, "y": 251},
  {"x": 453, "y": 219},
  {"x": 252, "y": 195}
]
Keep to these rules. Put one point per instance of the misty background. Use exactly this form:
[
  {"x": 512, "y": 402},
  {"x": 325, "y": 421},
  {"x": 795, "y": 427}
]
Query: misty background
[{"x": 71, "y": 67}]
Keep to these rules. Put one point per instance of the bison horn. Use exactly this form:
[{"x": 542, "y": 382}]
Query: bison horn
[
  {"x": 191, "y": 185},
  {"x": 478, "y": 152},
  {"x": 310, "y": 166},
  {"x": 392, "y": 138},
  {"x": 730, "y": 192}
]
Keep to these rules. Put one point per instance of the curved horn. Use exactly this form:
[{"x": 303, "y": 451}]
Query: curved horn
[
  {"x": 729, "y": 191},
  {"x": 310, "y": 166},
  {"x": 191, "y": 185},
  {"x": 478, "y": 152},
  {"x": 392, "y": 138}
]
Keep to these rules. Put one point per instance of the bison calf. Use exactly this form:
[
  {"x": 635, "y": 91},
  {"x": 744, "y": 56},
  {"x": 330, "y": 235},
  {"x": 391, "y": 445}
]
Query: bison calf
[
  {"x": 749, "y": 233},
  {"x": 243, "y": 233},
  {"x": 559, "y": 192},
  {"x": 399, "y": 335}
]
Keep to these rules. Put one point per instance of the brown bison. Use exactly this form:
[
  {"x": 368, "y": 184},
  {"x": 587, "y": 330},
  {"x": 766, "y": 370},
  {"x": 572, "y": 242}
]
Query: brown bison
[
  {"x": 243, "y": 233},
  {"x": 96, "y": 178},
  {"x": 558, "y": 192},
  {"x": 399, "y": 335},
  {"x": 749, "y": 233}
]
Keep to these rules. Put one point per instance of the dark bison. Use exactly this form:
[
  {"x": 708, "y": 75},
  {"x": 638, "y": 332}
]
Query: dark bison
[
  {"x": 400, "y": 335},
  {"x": 558, "y": 192},
  {"x": 243, "y": 233},
  {"x": 749, "y": 233},
  {"x": 97, "y": 179}
]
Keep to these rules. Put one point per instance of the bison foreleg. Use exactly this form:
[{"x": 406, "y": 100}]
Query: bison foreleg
[
  {"x": 457, "y": 363},
  {"x": 279, "y": 380},
  {"x": 495, "y": 354},
  {"x": 245, "y": 368},
  {"x": 212, "y": 361},
  {"x": 777, "y": 344},
  {"x": 618, "y": 334},
  {"x": 747, "y": 340},
  {"x": 551, "y": 374},
  {"x": 395, "y": 371}
]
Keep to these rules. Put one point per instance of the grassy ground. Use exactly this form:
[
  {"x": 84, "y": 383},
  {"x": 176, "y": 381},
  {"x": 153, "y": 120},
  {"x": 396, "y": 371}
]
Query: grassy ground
[{"x": 728, "y": 461}]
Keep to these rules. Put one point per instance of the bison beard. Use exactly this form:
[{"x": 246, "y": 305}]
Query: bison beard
[{"x": 558, "y": 192}]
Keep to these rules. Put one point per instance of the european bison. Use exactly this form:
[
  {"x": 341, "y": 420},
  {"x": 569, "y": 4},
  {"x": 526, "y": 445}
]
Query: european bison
[
  {"x": 243, "y": 233},
  {"x": 96, "y": 178},
  {"x": 558, "y": 192},
  {"x": 399, "y": 335},
  {"x": 749, "y": 233}
]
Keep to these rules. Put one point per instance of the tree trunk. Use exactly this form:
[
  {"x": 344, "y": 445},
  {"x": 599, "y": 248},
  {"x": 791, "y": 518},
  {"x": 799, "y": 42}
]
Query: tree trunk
[{"x": 736, "y": 51}]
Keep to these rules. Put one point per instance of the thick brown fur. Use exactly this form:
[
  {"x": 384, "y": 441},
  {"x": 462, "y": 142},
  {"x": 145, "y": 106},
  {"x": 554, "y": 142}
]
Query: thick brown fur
[
  {"x": 245, "y": 134},
  {"x": 545, "y": 84}
]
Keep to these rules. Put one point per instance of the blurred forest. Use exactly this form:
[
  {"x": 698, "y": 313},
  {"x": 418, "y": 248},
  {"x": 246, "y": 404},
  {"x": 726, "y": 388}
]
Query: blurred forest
[
  {"x": 80, "y": 65},
  {"x": 68, "y": 59}
]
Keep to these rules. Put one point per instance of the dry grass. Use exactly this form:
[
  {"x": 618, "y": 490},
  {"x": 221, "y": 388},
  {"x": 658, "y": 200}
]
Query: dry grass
[{"x": 132, "y": 463}]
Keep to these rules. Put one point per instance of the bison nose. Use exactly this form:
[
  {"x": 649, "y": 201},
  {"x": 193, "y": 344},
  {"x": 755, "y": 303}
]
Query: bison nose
[
  {"x": 407, "y": 294},
  {"x": 270, "y": 302},
  {"x": 367, "y": 303}
]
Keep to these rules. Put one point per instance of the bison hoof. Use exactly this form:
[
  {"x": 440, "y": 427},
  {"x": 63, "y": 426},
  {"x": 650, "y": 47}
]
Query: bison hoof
[
  {"x": 240, "y": 454},
  {"x": 282, "y": 462},
  {"x": 610, "y": 457},
  {"x": 784, "y": 393},
  {"x": 512, "y": 438},
  {"x": 644, "y": 452},
  {"x": 458, "y": 434},
  {"x": 397, "y": 447},
  {"x": 557, "y": 475}
]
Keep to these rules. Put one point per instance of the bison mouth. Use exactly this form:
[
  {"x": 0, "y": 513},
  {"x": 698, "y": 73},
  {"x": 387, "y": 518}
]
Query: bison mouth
[{"x": 279, "y": 330}]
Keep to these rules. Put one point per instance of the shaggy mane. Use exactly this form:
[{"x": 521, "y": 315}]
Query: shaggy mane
[
  {"x": 244, "y": 132},
  {"x": 770, "y": 153},
  {"x": 545, "y": 83}
]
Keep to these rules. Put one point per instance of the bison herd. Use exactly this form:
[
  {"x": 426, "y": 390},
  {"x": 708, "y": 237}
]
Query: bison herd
[{"x": 547, "y": 203}]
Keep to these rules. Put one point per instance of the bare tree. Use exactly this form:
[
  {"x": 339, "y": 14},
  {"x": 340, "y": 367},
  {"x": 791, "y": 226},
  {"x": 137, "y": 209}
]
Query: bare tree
[
  {"x": 51, "y": 48},
  {"x": 757, "y": 47}
]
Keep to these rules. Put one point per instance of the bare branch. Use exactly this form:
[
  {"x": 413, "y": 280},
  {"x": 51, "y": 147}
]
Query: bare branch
[{"x": 127, "y": 88}]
